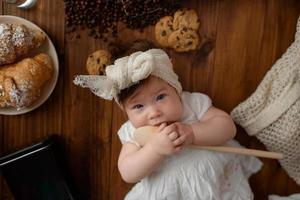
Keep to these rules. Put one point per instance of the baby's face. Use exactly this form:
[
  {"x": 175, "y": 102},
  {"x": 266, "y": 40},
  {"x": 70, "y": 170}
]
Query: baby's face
[{"x": 153, "y": 103}]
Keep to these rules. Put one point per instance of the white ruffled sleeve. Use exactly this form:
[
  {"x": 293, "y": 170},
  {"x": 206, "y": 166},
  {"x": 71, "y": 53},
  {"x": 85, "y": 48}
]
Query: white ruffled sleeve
[
  {"x": 125, "y": 133},
  {"x": 195, "y": 105}
]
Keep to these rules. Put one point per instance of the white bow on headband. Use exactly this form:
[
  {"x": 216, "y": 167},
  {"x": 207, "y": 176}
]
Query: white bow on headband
[{"x": 127, "y": 71}]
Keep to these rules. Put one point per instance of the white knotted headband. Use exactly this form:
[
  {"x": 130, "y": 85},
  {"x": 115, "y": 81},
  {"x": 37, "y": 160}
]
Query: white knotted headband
[{"x": 129, "y": 70}]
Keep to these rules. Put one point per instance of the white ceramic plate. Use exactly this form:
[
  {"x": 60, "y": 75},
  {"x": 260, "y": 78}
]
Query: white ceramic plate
[{"x": 47, "y": 48}]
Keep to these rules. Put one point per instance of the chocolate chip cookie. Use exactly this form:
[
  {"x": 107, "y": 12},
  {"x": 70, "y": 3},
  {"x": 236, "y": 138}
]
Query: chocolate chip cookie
[
  {"x": 186, "y": 18},
  {"x": 184, "y": 39},
  {"x": 97, "y": 62},
  {"x": 163, "y": 29}
]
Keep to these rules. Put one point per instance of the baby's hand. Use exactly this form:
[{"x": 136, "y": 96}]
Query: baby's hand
[
  {"x": 186, "y": 134},
  {"x": 163, "y": 142}
]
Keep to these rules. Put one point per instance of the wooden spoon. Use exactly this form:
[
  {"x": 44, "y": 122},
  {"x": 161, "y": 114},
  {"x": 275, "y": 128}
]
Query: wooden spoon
[{"x": 143, "y": 134}]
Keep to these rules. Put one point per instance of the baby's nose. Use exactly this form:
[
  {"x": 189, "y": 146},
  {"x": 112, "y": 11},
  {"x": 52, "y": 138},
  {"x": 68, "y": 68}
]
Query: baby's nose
[{"x": 154, "y": 112}]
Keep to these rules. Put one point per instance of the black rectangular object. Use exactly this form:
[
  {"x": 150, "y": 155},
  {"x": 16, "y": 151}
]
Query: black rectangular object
[{"x": 33, "y": 173}]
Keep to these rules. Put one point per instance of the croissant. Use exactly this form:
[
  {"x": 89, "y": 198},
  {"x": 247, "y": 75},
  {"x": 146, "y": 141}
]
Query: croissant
[
  {"x": 21, "y": 83},
  {"x": 16, "y": 40}
]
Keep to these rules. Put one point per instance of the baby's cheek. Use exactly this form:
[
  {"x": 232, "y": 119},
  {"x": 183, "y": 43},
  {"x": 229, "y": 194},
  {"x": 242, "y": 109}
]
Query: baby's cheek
[
  {"x": 177, "y": 113},
  {"x": 137, "y": 121}
]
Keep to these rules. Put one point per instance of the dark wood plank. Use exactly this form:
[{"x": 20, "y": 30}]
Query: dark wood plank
[
  {"x": 278, "y": 35},
  {"x": 251, "y": 38},
  {"x": 87, "y": 123},
  {"x": 23, "y": 130},
  {"x": 267, "y": 43}
]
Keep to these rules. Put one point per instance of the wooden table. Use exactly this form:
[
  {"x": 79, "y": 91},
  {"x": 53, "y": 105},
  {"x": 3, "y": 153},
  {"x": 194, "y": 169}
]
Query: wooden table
[{"x": 240, "y": 42}]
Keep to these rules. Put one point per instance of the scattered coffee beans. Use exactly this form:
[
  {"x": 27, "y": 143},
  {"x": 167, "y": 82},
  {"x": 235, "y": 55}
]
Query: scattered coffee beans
[{"x": 100, "y": 17}]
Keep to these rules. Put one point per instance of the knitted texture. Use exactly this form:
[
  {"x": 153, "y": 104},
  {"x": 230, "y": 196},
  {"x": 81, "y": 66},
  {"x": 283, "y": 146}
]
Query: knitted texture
[
  {"x": 128, "y": 70},
  {"x": 272, "y": 112}
]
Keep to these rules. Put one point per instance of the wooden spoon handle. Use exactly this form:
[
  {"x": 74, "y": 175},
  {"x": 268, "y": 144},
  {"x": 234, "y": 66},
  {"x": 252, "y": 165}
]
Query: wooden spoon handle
[{"x": 243, "y": 151}]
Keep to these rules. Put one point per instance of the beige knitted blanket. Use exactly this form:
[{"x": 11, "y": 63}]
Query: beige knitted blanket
[{"x": 272, "y": 112}]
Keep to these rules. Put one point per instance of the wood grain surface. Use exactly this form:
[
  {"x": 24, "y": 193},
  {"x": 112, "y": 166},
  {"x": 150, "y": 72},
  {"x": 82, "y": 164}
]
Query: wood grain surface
[{"x": 240, "y": 40}]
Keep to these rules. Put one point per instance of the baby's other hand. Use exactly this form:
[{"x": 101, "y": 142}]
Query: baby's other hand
[
  {"x": 186, "y": 134},
  {"x": 163, "y": 141}
]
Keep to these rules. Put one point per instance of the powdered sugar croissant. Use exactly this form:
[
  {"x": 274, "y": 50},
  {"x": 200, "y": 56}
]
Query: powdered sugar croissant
[
  {"x": 16, "y": 40},
  {"x": 22, "y": 83}
]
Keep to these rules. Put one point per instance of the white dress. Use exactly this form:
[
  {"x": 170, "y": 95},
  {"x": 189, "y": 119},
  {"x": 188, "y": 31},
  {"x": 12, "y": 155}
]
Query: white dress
[{"x": 195, "y": 174}]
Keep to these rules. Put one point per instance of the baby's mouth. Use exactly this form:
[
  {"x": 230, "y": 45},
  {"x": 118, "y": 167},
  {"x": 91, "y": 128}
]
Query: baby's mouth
[{"x": 160, "y": 123}]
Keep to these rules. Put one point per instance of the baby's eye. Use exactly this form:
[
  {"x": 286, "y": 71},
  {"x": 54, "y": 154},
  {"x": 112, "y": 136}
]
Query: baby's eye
[
  {"x": 160, "y": 97},
  {"x": 137, "y": 106}
]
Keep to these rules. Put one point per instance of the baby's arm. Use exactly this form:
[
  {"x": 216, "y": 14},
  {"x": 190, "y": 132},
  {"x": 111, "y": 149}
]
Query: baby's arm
[
  {"x": 135, "y": 163},
  {"x": 215, "y": 128}
]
